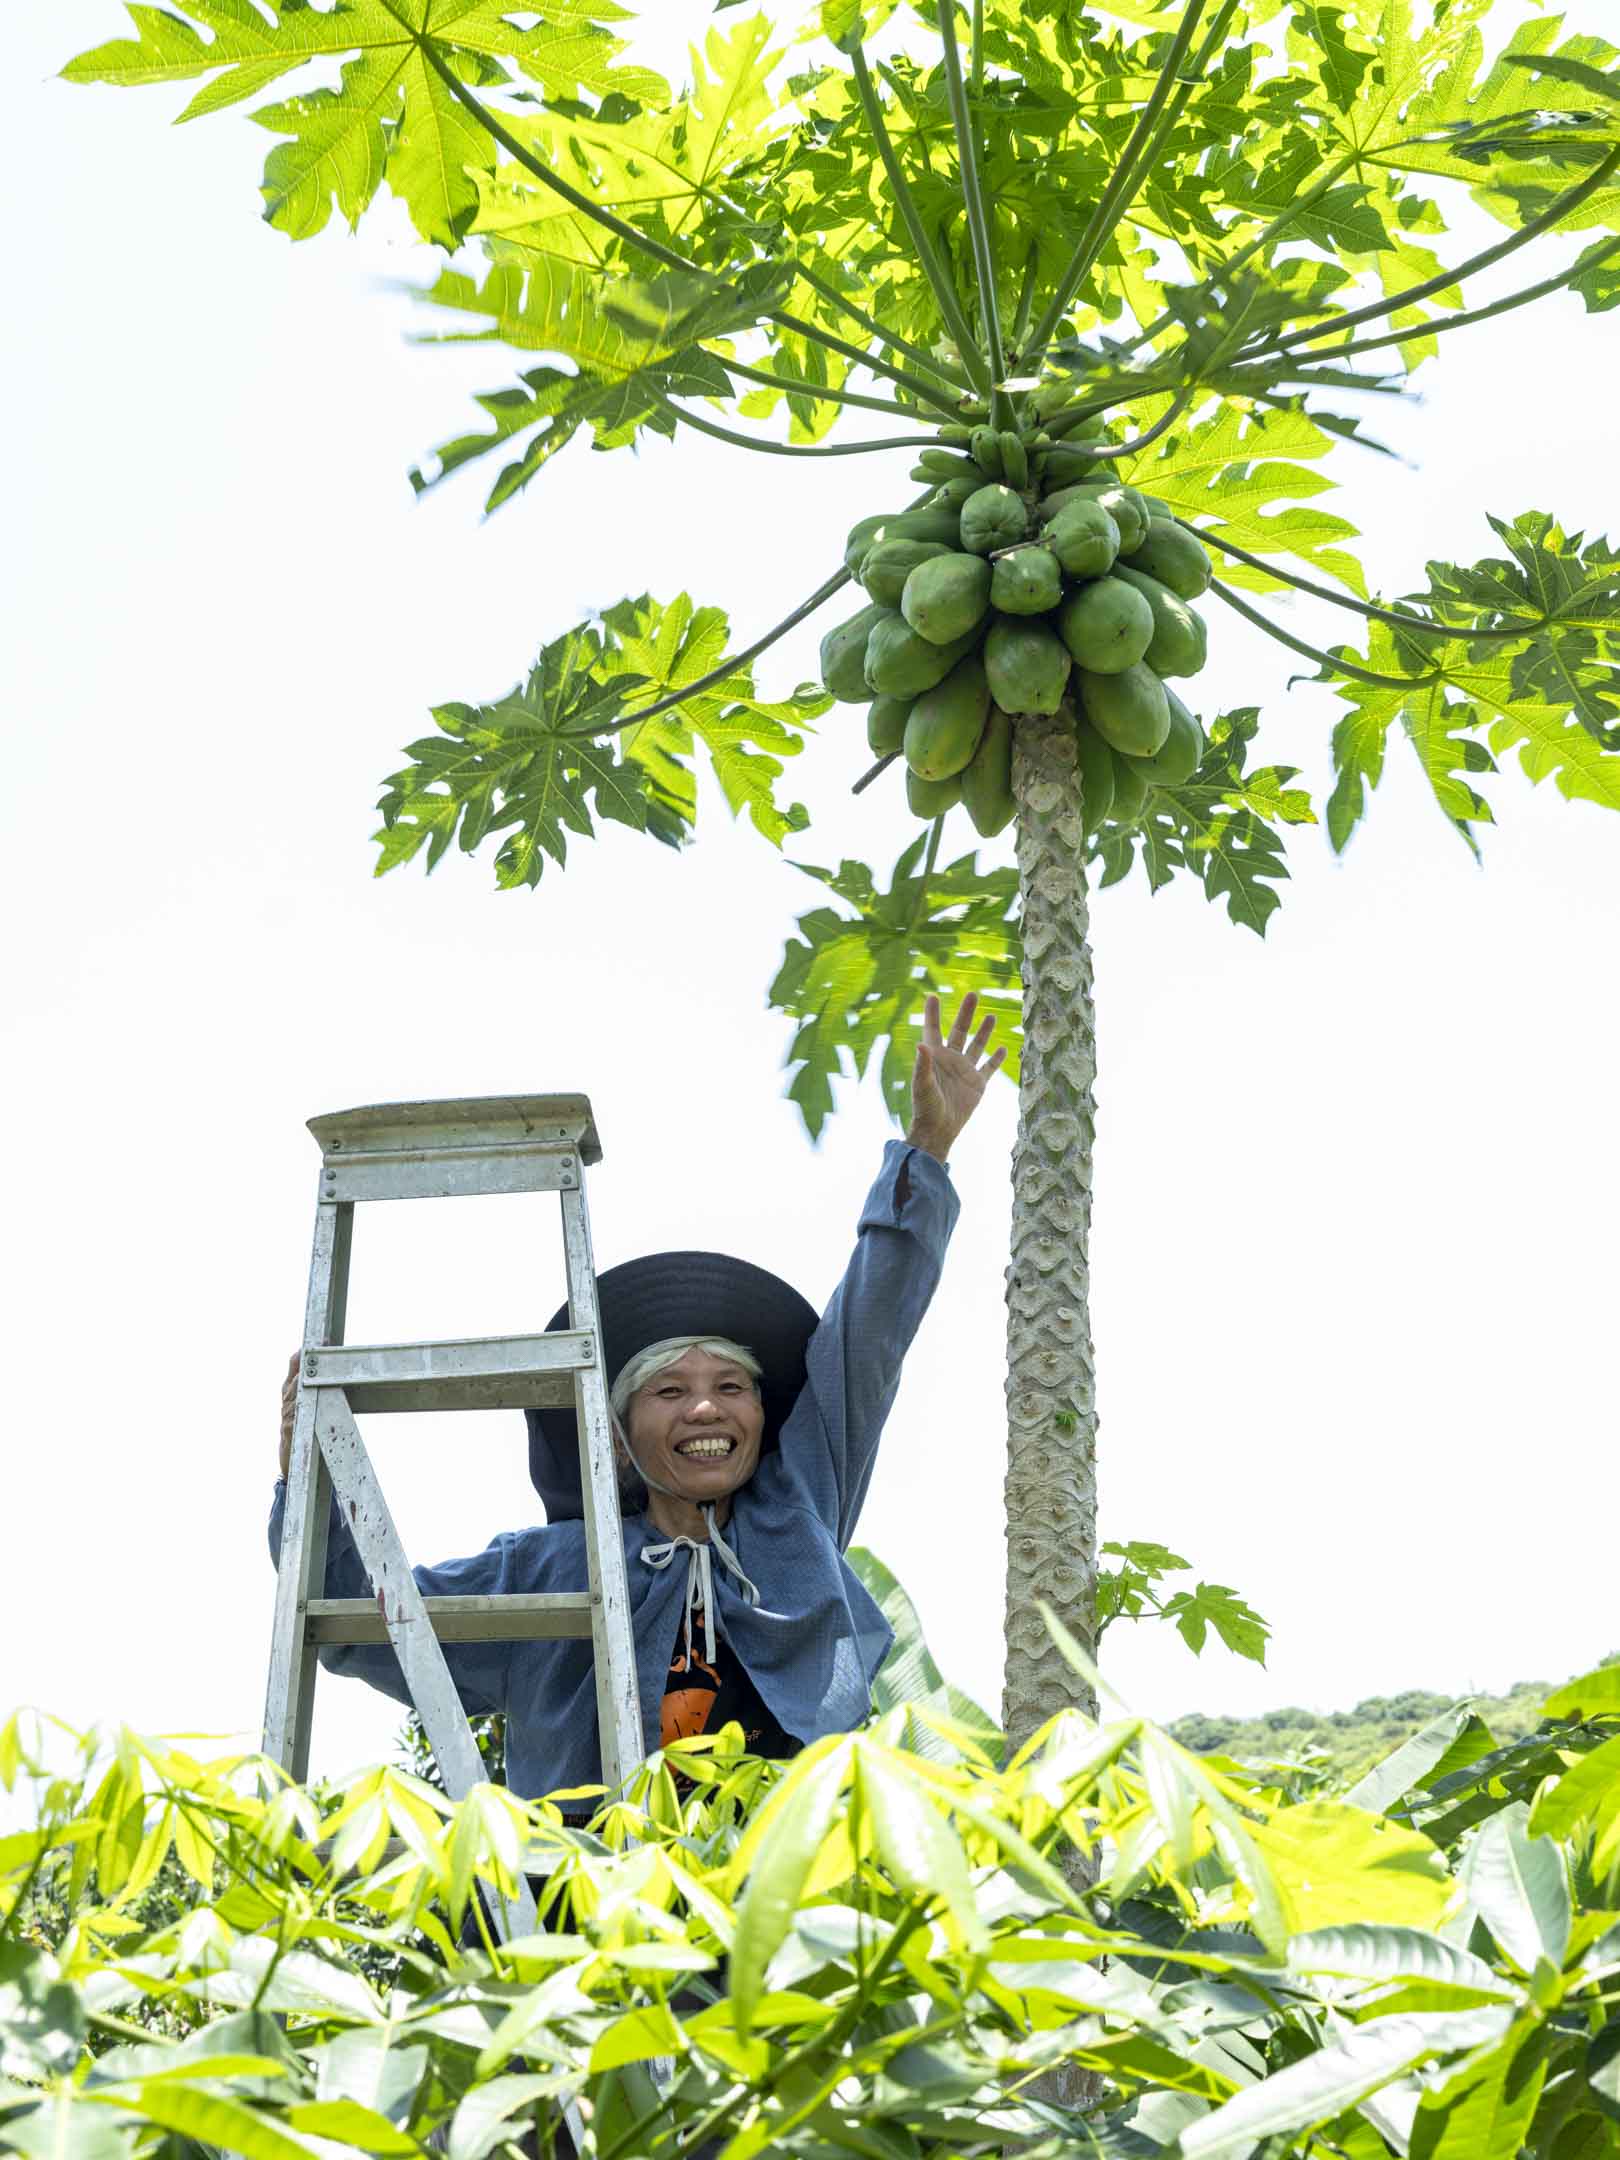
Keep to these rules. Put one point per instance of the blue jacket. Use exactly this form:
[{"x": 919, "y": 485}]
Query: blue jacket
[{"x": 815, "y": 1641}]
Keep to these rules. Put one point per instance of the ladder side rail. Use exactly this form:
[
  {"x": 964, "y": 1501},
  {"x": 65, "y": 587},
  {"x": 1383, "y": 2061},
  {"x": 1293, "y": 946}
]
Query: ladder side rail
[
  {"x": 421, "y": 1657},
  {"x": 618, "y": 1697},
  {"x": 301, "y": 1575}
]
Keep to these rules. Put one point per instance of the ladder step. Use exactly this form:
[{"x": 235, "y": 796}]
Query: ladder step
[
  {"x": 496, "y": 1372},
  {"x": 539, "y": 1618}
]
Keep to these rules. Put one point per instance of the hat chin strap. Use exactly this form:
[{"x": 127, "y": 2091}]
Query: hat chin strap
[{"x": 701, "y": 1554}]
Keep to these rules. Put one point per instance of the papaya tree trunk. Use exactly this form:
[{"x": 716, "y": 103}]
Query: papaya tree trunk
[{"x": 1051, "y": 1401}]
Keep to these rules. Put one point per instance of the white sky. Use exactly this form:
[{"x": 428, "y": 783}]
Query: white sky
[{"x": 1354, "y": 1235}]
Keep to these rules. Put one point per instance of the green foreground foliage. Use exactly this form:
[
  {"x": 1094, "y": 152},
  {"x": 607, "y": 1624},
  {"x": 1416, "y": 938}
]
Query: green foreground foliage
[{"x": 868, "y": 1951}]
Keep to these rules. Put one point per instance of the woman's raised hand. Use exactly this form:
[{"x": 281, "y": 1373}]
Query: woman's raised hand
[{"x": 949, "y": 1078}]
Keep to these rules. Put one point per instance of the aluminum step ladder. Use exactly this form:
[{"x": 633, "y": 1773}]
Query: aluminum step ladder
[{"x": 430, "y": 1151}]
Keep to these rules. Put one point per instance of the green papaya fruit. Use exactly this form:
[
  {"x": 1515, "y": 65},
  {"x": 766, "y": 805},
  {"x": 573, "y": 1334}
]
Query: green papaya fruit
[
  {"x": 891, "y": 562},
  {"x": 861, "y": 535},
  {"x": 952, "y": 494},
  {"x": 901, "y": 664},
  {"x": 987, "y": 794},
  {"x": 956, "y": 433},
  {"x": 943, "y": 464},
  {"x": 993, "y": 518},
  {"x": 1026, "y": 581},
  {"x": 1157, "y": 509},
  {"x": 1049, "y": 398},
  {"x": 1049, "y": 505},
  {"x": 934, "y": 521},
  {"x": 1129, "y": 710},
  {"x": 1096, "y": 762},
  {"x": 931, "y": 798},
  {"x": 886, "y": 724},
  {"x": 1179, "y": 756},
  {"x": 1014, "y": 462},
  {"x": 1064, "y": 464},
  {"x": 1176, "y": 557},
  {"x": 1027, "y": 664},
  {"x": 1128, "y": 510},
  {"x": 946, "y": 597},
  {"x": 843, "y": 654},
  {"x": 1180, "y": 639},
  {"x": 1084, "y": 538},
  {"x": 986, "y": 448},
  {"x": 1130, "y": 792},
  {"x": 1107, "y": 625},
  {"x": 946, "y": 722}
]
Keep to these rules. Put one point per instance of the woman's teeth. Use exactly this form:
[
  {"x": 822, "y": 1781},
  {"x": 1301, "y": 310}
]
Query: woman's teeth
[{"x": 705, "y": 1447}]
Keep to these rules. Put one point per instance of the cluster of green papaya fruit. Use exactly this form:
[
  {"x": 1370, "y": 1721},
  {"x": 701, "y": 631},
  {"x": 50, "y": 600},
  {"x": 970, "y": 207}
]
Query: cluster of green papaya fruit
[{"x": 1028, "y": 575}]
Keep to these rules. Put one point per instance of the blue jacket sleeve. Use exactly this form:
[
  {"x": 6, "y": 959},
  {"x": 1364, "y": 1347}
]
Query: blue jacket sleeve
[
  {"x": 479, "y": 1670},
  {"x": 829, "y": 1441}
]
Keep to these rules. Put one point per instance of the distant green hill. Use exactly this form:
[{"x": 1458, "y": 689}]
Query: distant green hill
[{"x": 1345, "y": 1742}]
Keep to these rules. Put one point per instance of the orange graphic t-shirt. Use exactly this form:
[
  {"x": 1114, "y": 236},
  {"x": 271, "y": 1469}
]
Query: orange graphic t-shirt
[{"x": 700, "y": 1697}]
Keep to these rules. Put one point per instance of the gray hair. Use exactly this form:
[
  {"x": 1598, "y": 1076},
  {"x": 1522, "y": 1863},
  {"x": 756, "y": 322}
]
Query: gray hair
[{"x": 645, "y": 1366}]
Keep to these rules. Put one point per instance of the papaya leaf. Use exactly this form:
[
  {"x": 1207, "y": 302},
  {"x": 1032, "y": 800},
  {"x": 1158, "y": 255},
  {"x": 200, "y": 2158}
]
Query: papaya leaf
[
  {"x": 746, "y": 737},
  {"x": 392, "y": 117},
  {"x": 857, "y": 979},
  {"x": 536, "y": 764},
  {"x": 1220, "y": 826}
]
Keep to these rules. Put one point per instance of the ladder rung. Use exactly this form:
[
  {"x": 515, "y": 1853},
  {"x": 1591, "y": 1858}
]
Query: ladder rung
[
  {"x": 538, "y": 1618},
  {"x": 497, "y": 1372}
]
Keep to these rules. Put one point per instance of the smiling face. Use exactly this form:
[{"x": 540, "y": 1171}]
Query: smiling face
[{"x": 697, "y": 1425}]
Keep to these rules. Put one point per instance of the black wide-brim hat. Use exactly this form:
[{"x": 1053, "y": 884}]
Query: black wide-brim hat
[{"x": 645, "y": 1301}]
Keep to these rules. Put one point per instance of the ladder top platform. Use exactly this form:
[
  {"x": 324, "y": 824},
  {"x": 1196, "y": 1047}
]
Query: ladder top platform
[{"x": 466, "y": 1121}]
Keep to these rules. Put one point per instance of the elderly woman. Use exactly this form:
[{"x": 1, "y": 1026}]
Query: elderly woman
[{"x": 747, "y": 1431}]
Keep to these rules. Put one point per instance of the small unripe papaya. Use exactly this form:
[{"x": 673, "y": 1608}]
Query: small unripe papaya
[
  {"x": 901, "y": 664},
  {"x": 944, "y": 725},
  {"x": 986, "y": 448},
  {"x": 946, "y": 597},
  {"x": 843, "y": 654},
  {"x": 1014, "y": 463},
  {"x": 1084, "y": 538},
  {"x": 1128, "y": 510},
  {"x": 987, "y": 794},
  {"x": 861, "y": 535},
  {"x": 931, "y": 798},
  {"x": 1026, "y": 581},
  {"x": 1106, "y": 624},
  {"x": 1178, "y": 757},
  {"x": 952, "y": 494},
  {"x": 1129, "y": 710},
  {"x": 1176, "y": 557},
  {"x": 1180, "y": 643},
  {"x": 886, "y": 724},
  {"x": 1130, "y": 792},
  {"x": 1026, "y": 663},
  {"x": 1096, "y": 763},
  {"x": 891, "y": 562},
  {"x": 993, "y": 518},
  {"x": 942, "y": 465}
]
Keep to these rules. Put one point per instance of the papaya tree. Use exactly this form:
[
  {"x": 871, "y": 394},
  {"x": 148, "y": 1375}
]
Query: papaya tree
[{"x": 1110, "y": 284}]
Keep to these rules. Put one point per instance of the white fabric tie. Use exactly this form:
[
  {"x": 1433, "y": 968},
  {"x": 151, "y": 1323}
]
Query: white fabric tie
[{"x": 700, "y": 1576}]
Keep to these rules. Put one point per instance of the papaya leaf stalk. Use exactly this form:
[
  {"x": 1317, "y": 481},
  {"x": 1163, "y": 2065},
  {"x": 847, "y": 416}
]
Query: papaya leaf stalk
[
  {"x": 1335, "y": 661},
  {"x": 1396, "y": 617},
  {"x": 775, "y": 449},
  {"x": 947, "y": 370},
  {"x": 941, "y": 284},
  {"x": 1435, "y": 326},
  {"x": 1114, "y": 199},
  {"x": 1556, "y": 211},
  {"x": 984, "y": 259},
  {"x": 669, "y": 257},
  {"x": 1161, "y": 426},
  {"x": 820, "y": 393}
]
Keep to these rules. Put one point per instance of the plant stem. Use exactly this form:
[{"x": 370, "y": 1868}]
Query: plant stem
[
  {"x": 822, "y": 395},
  {"x": 984, "y": 260},
  {"x": 944, "y": 289},
  {"x": 753, "y": 442},
  {"x": 1178, "y": 405},
  {"x": 1111, "y": 205},
  {"x": 945, "y": 368},
  {"x": 1026, "y": 295},
  {"x": 976, "y": 50},
  {"x": 1409, "y": 296},
  {"x": 734, "y": 662},
  {"x": 1373, "y": 613},
  {"x": 669, "y": 257},
  {"x": 872, "y": 771},
  {"x": 1315, "y": 652},
  {"x": 1436, "y": 325}
]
